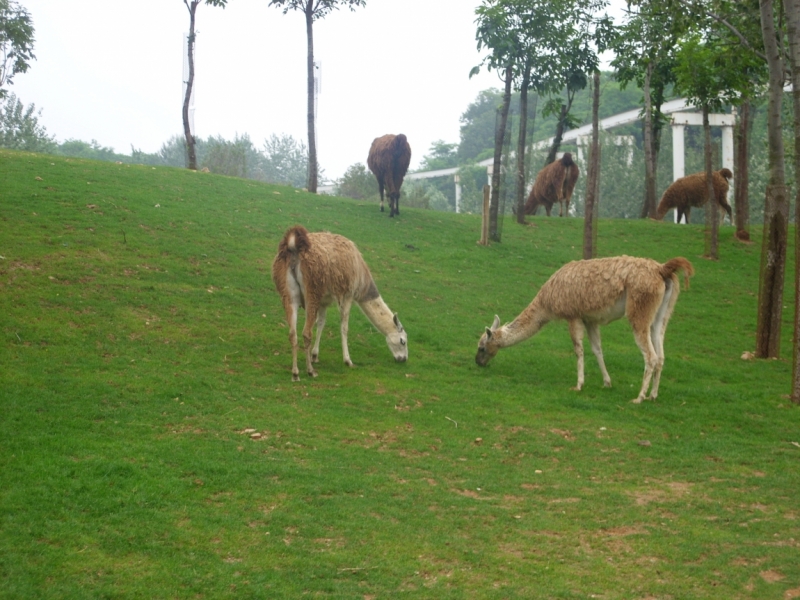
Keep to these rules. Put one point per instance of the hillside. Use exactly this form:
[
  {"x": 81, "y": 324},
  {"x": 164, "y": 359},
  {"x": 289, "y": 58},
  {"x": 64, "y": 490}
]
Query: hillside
[{"x": 143, "y": 346}]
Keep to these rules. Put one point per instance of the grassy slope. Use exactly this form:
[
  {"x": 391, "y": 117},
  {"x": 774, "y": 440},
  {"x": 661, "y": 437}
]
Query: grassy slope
[{"x": 141, "y": 336}]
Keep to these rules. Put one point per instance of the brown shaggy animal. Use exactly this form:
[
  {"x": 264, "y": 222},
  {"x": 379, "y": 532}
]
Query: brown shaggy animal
[
  {"x": 590, "y": 293},
  {"x": 689, "y": 191},
  {"x": 389, "y": 157},
  {"x": 313, "y": 270},
  {"x": 554, "y": 183}
]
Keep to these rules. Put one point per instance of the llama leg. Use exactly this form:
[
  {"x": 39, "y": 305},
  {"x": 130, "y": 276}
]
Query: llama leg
[
  {"x": 576, "y": 330},
  {"x": 291, "y": 316},
  {"x": 658, "y": 331},
  {"x": 642, "y": 334},
  {"x": 344, "y": 313},
  {"x": 593, "y": 329},
  {"x": 320, "y": 326},
  {"x": 380, "y": 187},
  {"x": 311, "y": 317}
]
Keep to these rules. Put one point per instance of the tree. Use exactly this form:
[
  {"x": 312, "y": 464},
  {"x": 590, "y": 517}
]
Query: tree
[
  {"x": 776, "y": 202},
  {"x": 16, "y": 42},
  {"x": 440, "y": 156},
  {"x": 792, "y": 8},
  {"x": 358, "y": 183},
  {"x": 191, "y": 6},
  {"x": 644, "y": 48},
  {"x": 20, "y": 129},
  {"x": 313, "y": 11},
  {"x": 285, "y": 161},
  {"x": 593, "y": 179}
]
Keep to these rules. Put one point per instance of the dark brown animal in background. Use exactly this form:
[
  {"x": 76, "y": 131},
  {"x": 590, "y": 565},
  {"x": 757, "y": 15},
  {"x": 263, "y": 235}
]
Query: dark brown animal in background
[
  {"x": 389, "y": 157},
  {"x": 689, "y": 191},
  {"x": 554, "y": 183}
]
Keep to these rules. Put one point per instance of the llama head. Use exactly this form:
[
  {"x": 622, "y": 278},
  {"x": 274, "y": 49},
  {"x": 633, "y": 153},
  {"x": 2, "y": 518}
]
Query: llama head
[
  {"x": 398, "y": 341},
  {"x": 488, "y": 345}
]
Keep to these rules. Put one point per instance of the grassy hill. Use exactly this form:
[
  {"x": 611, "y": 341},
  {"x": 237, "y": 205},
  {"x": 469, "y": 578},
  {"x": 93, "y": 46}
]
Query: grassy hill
[{"x": 143, "y": 346}]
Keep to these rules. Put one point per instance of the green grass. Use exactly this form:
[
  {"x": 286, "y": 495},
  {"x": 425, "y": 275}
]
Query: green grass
[{"x": 141, "y": 338}]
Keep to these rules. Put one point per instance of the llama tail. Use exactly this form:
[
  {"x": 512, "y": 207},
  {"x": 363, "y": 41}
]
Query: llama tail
[
  {"x": 399, "y": 145},
  {"x": 678, "y": 264},
  {"x": 294, "y": 241},
  {"x": 566, "y": 160}
]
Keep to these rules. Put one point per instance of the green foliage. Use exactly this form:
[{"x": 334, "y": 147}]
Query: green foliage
[
  {"x": 144, "y": 347},
  {"x": 20, "y": 129},
  {"x": 358, "y": 183},
  {"x": 318, "y": 9},
  {"x": 440, "y": 156},
  {"x": 16, "y": 42}
]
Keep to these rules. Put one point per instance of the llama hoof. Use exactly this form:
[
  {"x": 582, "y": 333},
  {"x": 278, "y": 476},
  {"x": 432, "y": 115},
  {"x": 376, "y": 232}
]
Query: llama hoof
[
  {"x": 381, "y": 209},
  {"x": 315, "y": 358},
  {"x": 295, "y": 376},
  {"x": 607, "y": 384},
  {"x": 577, "y": 388},
  {"x": 312, "y": 373},
  {"x": 349, "y": 363},
  {"x": 637, "y": 401}
]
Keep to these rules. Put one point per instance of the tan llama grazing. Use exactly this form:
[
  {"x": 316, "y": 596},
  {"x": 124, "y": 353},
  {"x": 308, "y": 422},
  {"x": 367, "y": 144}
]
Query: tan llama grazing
[
  {"x": 590, "y": 293},
  {"x": 554, "y": 183},
  {"x": 313, "y": 270},
  {"x": 689, "y": 191},
  {"x": 389, "y": 157}
]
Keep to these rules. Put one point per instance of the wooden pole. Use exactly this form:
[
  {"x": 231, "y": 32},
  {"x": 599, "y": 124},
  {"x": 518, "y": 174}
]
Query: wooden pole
[{"x": 485, "y": 219}]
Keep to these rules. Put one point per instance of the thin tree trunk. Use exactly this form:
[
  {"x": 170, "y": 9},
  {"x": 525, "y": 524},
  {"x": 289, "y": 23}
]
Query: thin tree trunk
[
  {"x": 741, "y": 174},
  {"x": 649, "y": 206},
  {"x": 499, "y": 138},
  {"x": 776, "y": 205},
  {"x": 559, "y": 136},
  {"x": 593, "y": 179},
  {"x": 712, "y": 217},
  {"x": 792, "y": 8},
  {"x": 191, "y": 155},
  {"x": 312, "y": 136},
  {"x": 523, "y": 124}
]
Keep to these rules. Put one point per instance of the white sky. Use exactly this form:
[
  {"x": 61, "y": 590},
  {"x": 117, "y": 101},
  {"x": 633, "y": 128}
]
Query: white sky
[{"x": 112, "y": 71}]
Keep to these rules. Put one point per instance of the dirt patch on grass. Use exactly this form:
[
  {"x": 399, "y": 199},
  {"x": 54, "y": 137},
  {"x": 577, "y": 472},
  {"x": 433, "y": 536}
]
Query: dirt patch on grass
[{"x": 674, "y": 490}]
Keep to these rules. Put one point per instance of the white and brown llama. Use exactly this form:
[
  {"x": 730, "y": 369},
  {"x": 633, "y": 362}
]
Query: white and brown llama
[
  {"x": 313, "y": 270},
  {"x": 590, "y": 293}
]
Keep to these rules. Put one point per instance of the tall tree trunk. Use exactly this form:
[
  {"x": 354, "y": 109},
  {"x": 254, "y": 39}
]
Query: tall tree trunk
[
  {"x": 649, "y": 205},
  {"x": 559, "y": 136},
  {"x": 741, "y": 172},
  {"x": 312, "y": 136},
  {"x": 191, "y": 154},
  {"x": 776, "y": 204},
  {"x": 593, "y": 179},
  {"x": 523, "y": 130},
  {"x": 499, "y": 137},
  {"x": 712, "y": 215},
  {"x": 792, "y": 8}
]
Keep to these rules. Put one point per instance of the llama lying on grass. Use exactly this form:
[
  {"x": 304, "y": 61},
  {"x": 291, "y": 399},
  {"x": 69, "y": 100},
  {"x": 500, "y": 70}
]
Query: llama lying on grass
[
  {"x": 590, "y": 293},
  {"x": 689, "y": 191},
  {"x": 313, "y": 270},
  {"x": 554, "y": 183},
  {"x": 389, "y": 157}
]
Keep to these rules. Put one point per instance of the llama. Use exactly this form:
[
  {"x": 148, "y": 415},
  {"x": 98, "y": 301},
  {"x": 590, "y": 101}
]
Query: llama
[
  {"x": 313, "y": 270},
  {"x": 554, "y": 183},
  {"x": 689, "y": 191},
  {"x": 590, "y": 293},
  {"x": 389, "y": 157}
]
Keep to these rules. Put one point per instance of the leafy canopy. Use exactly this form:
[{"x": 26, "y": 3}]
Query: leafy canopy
[
  {"x": 16, "y": 42},
  {"x": 318, "y": 9}
]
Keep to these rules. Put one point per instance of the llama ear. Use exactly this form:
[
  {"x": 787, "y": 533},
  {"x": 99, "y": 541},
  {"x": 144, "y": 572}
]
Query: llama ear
[
  {"x": 496, "y": 323},
  {"x": 397, "y": 322},
  {"x": 488, "y": 333}
]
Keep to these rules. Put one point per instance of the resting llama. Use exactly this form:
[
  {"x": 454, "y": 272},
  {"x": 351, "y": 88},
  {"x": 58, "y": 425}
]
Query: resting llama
[
  {"x": 313, "y": 270},
  {"x": 554, "y": 183},
  {"x": 389, "y": 157},
  {"x": 590, "y": 293},
  {"x": 689, "y": 191}
]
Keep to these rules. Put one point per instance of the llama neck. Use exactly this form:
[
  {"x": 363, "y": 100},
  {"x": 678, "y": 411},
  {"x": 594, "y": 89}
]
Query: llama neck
[
  {"x": 379, "y": 315},
  {"x": 526, "y": 325}
]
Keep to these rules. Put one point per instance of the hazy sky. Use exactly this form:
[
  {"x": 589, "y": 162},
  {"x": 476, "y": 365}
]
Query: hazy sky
[{"x": 112, "y": 71}]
